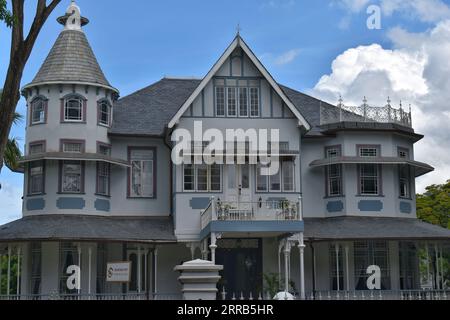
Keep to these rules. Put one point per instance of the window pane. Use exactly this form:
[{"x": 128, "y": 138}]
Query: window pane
[
  {"x": 369, "y": 179},
  {"x": 261, "y": 181},
  {"x": 254, "y": 102},
  {"x": 71, "y": 179},
  {"x": 36, "y": 177},
  {"x": 231, "y": 101},
  {"x": 368, "y": 152},
  {"x": 189, "y": 177},
  {"x": 72, "y": 147},
  {"x": 105, "y": 150},
  {"x": 245, "y": 176},
  {"x": 103, "y": 176},
  {"x": 202, "y": 178},
  {"x": 37, "y": 148},
  {"x": 275, "y": 184},
  {"x": 220, "y": 101},
  {"x": 104, "y": 113},
  {"x": 404, "y": 181},
  {"x": 231, "y": 176},
  {"x": 38, "y": 111},
  {"x": 216, "y": 183},
  {"x": 142, "y": 173},
  {"x": 243, "y": 102},
  {"x": 73, "y": 110},
  {"x": 288, "y": 175}
]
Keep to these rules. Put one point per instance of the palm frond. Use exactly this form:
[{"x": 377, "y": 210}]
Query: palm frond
[
  {"x": 12, "y": 155},
  {"x": 17, "y": 118}
]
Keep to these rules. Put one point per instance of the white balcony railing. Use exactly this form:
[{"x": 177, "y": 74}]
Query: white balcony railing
[
  {"x": 365, "y": 113},
  {"x": 105, "y": 296},
  {"x": 269, "y": 210}
]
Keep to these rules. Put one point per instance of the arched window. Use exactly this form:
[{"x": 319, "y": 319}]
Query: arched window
[
  {"x": 104, "y": 113},
  {"x": 74, "y": 109},
  {"x": 38, "y": 111}
]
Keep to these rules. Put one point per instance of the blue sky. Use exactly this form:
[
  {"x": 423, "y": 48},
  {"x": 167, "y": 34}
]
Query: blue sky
[{"x": 298, "y": 40}]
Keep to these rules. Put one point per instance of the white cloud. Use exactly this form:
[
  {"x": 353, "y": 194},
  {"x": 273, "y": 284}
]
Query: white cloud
[
  {"x": 415, "y": 71},
  {"x": 287, "y": 57},
  {"x": 424, "y": 10},
  {"x": 354, "y": 6},
  {"x": 10, "y": 203}
]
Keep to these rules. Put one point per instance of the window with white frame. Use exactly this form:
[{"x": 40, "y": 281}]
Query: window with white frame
[
  {"x": 36, "y": 178},
  {"x": 142, "y": 173},
  {"x": 404, "y": 174},
  {"x": 72, "y": 146},
  {"x": 243, "y": 102},
  {"x": 220, "y": 101},
  {"x": 254, "y": 102},
  {"x": 73, "y": 110},
  {"x": 283, "y": 180},
  {"x": 231, "y": 101},
  {"x": 72, "y": 177},
  {"x": 104, "y": 113},
  {"x": 202, "y": 178},
  {"x": 37, "y": 148},
  {"x": 38, "y": 110},
  {"x": 237, "y": 99},
  {"x": 367, "y": 253},
  {"x": 369, "y": 174},
  {"x": 333, "y": 173},
  {"x": 103, "y": 178}
]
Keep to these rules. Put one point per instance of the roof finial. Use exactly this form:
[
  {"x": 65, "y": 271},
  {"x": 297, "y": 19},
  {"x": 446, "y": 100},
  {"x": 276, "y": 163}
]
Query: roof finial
[
  {"x": 73, "y": 20},
  {"x": 238, "y": 30}
]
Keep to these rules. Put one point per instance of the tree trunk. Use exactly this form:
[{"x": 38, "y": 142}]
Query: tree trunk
[{"x": 20, "y": 52}]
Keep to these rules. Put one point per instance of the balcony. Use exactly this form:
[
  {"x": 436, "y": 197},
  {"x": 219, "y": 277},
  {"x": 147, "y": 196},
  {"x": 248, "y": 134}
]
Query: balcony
[
  {"x": 262, "y": 216},
  {"x": 365, "y": 113}
]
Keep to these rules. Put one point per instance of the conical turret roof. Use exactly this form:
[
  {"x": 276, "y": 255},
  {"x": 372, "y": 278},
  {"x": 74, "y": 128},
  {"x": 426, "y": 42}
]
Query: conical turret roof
[{"x": 71, "y": 60}]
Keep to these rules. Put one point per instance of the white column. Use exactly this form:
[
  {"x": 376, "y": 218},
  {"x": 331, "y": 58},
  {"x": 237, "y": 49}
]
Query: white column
[
  {"x": 89, "y": 269},
  {"x": 139, "y": 270},
  {"x": 347, "y": 273},
  {"x": 8, "y": 281},
  {"x": 79, "y": 264},
  {"x": 213, "y": 247},
  {"x": 286, "y": 268},
  {"x": 337, "y": 266},
  {"x": 442, "y": 268},
  {"x": 19, "y": 251},
  {"x": 301, "y": 247},
  {"x": 438, "y": 278},
  {"x": 145, "y": 269},
  {"x": 428, "y": 261},
  {"x": 155, "y": 255}
]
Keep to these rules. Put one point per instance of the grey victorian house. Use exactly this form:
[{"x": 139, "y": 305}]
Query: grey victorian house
[{"x": 100, "y": 187}]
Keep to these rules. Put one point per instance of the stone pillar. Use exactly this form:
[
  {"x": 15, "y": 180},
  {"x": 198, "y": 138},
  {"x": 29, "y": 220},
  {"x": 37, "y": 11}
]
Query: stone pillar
[{"x": 199, "y": 279}]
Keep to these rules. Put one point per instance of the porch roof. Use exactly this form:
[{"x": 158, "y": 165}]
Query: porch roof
[
  {"x": 372, "y": 228},
  {"x": 89, "y": 228}
]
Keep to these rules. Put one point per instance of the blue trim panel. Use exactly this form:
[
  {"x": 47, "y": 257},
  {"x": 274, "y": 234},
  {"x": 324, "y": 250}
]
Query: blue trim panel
[
  {"x": 286, "y": 226},
  {"x": 70, "y": 203},
  {"x": 102, "y": 205},
  {"x": 199, "y": 203},
  {"x": 35, "y": 204},
  {"x": 405, "y": 207},
  {"x": 335, "y": 206},
  {"x": 370, "y": 205}
]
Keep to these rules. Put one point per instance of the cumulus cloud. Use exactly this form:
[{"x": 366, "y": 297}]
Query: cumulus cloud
[
  {"x": 10, "y": 203},
  {"x": 416, "y": 71}
]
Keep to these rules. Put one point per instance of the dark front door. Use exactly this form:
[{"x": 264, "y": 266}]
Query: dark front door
[{"x": 242, "y": 261}]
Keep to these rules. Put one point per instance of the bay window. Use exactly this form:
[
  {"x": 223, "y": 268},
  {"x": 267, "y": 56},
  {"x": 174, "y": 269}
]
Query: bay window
[
  {"x": 404, "y": 174},
  {"x": 142, "y": 175},
  {"x": 36, "y": 178}
]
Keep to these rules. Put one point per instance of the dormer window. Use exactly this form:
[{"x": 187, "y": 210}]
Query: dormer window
[
  {"x": 104, "y": 113},
  {"x": 74, "y": 109},
  {"x": 38, "y": 111}
]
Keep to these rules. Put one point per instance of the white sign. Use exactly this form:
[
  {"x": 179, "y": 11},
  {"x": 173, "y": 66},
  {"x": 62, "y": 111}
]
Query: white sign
[{"x": 118, "y": 272}]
